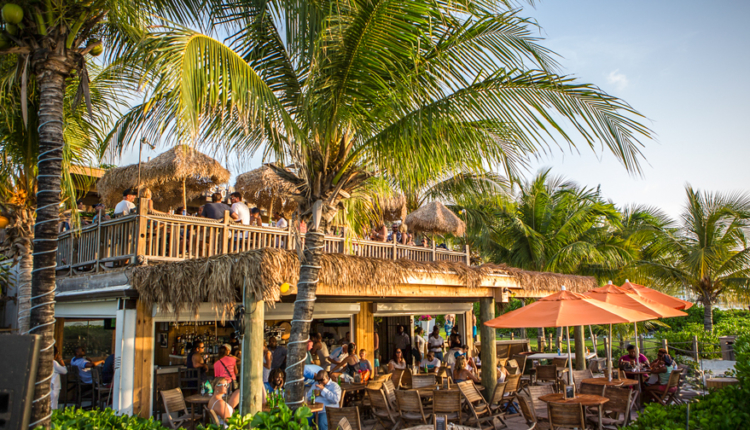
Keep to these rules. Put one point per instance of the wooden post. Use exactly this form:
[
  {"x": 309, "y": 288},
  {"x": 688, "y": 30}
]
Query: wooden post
[
  {"x": 468, "y": 256},
  {"x": 469, "y": 324},
  {"x": 550, "y": 341},
  {"x": 512, "y": 335},
  {"x": 59, "y": 333},
  {"x": 580, "y": 345},
  {"x": 394, "y": 248},
  {"x": 144, "y": 345},
  {"x": 142, "y": 229},
  {"x": 364, "y": 331},
  {"x": 696, "y": 354},
  {"x": 70, "y": 250},
  {"x": 665, "y": 345},
  {"x": 225, "y": 233},
  {"x": 489, "y": 347},
  {"x": 252, "y": 354},
  {"x": 289, "y": 236},
  {"x": 594, "y": 341},
  {"x": 641, "y": 344},
  {"x": 434, "y": 254},
  {"x": 98, "y": 244}
]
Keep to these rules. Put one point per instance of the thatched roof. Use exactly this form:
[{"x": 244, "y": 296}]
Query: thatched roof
[
  {"x": 219, "y": 280},
  {"x": 390, "y": 208},
  {"x": 163, "y": 176},
  {"x": 263, "y": 187},
  {"x": 435, "y": 218}
]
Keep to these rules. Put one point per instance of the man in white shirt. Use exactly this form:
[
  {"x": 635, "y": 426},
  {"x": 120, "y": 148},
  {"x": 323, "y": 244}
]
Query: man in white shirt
[
  {"x": 430, "y": 362},
  {"x": 280, "y": 220},
  {"x": 328, "y": 393},
  {"x": 126, "y": 205},
  {"x": 84, "y": 365},
  {"x": 239, "y": 211}
]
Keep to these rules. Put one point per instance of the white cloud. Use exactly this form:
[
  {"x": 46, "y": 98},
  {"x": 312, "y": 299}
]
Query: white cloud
[{"x": 619, "y": 80}]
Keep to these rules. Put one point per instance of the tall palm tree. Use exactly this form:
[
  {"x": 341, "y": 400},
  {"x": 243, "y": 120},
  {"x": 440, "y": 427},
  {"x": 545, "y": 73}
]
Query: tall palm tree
[
  {"x": 708, "y": 254},
  {"x": 349, "y": 90},
  {"x": 52, "y": 41}
]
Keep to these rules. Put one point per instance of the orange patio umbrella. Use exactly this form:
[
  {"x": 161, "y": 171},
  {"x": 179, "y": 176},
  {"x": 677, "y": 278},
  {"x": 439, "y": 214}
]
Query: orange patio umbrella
[
  {"x": 564, "y": 309},
  {"x": 618, "y": 296},
  {"x": 656, "y": 296}
]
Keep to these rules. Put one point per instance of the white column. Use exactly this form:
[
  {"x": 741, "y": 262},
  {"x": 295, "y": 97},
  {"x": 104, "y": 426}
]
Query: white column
[{"x": 122, "y": 395}]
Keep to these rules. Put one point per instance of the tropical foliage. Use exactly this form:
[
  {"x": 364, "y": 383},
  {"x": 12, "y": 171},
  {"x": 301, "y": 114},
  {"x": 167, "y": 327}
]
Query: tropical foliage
[{"x": 76, "y": 418}]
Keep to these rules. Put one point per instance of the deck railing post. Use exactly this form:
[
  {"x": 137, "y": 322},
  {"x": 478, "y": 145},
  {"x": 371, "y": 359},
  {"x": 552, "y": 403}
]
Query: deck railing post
[
  {"x": 98, "y": 240},
  {"x": 141, "y": 229},
  {"x": 468, "y": 256},
  {"x": 434, "y": 253},
  {"x": 225, "y": 232},
  {"x": 696, "y": 354},
  {"x": 395, "y": 246},
  {"x": 71, "y": 237}
]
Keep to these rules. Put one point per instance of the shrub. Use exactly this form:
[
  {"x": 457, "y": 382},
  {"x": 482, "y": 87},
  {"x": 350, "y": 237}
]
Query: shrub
[
  {"x": 728, "y": 408},
  {"x": 279, "y": 418},
  {"x": 75, "y": 419}
]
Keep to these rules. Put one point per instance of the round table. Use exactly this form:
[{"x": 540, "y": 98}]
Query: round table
[
  {"x": 581, "y": 399},
  {"x": 639, "y": 376},
  {"x": 612, "y": 383},
  {"x": 197, "y": 399}
]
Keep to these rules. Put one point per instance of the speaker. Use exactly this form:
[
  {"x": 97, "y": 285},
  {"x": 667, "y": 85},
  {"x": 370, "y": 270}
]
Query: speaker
[{"x": 19, "y": 355}]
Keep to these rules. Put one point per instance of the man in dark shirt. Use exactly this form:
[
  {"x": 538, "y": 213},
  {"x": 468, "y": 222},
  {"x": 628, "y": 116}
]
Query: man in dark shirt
[
  {"x": 108, "y": 371},
  {"x": 215, "y": 209}
]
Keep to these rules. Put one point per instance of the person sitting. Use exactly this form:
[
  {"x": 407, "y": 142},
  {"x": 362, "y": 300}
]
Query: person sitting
[
  {"x": 398, "y": 361},
  {"x": 276, "y": 381},
  {"x": 502, "y": 373},
  {"x": 327, "y": 393},
  {"x": 226, "y": 366},
  {"x": 223, "y": 409},
  {"x": 84, "y": 365},
  {"x": 430, "y": 363},
  {"x": 126, "y": 205},
  {"x": 255, "y": 219},
  {"x": 662, "y": 367},
  {"x": 629, "y": 359},
  {"x": 239, "y": 211},
  {"x": 364, "y": 366},
  {"x": 470, "y": 365},
  {"x": 460, "y": 374},
  {"x": 108, "y": 370},
  {"x": 267, "y": 360},
  {"x": 379, "y": 234},
  {"x": 339, "y": 354},
  {"x": 215, "y": 209},
  {"x": 349, "y": 365},
  {"x": 280, "y": 221}
]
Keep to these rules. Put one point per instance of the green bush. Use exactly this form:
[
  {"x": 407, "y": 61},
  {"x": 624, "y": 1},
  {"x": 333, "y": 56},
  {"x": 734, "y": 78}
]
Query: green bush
[
  {"x": 731, "y": 324},
  {"x": 728, "y": 408},
  {"x": 279, "y": 418},
  {"x": 95, "y": 419}
]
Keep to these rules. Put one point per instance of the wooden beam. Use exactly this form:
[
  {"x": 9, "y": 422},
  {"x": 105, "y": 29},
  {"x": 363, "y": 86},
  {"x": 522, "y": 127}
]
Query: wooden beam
[
  {"x": 412, "y": 291},
  {"x": 59, "y": 333},
  {"x": 144, "y": 345},
  {"x": 251, "y": 400},
  {"x": 489, "y": 348},
  {"x": 364, "y": 334}
]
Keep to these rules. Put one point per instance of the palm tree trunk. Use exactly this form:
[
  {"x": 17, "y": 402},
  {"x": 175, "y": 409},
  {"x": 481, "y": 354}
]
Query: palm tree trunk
[
  {"x": 303, "y": 313},
  {"x": 51, "y": 73},
  {"x": 25, "y": 263},
  {"x": 708, "y": 313}
]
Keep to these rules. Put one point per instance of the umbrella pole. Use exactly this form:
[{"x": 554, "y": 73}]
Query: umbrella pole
[
  {"x": 570, "y": 362},
  {"x": 609, "y": 355},
  {"x": 184, "y": 198},
  {"x": 637, "y": 351}
]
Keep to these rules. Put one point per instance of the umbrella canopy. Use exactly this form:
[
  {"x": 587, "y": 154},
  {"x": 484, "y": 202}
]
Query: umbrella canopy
[
  {"x": 390, "y": 208},
  {"x": 567, "y": 308},
  {"x": 266, "y": 189},
  {"x": 175, "y": 176},
  {"x": 435, "y": 218},
  {"x": 616, "y": 296},
  {"x": 656, "y": 296}
]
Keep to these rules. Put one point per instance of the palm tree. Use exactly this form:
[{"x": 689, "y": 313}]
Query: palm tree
[
  {"x": 347, "y": 91},
  {"x": 708, "y": 254},
  {"x": 51, "y": 42}
]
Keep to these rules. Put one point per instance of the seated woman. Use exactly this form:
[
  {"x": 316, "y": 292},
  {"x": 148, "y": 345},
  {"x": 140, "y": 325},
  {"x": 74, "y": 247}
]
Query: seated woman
[
  {"x": 349, "y": 365},
  {"x": 662, "y": 367},
  {"x": 397, "y": 362},
  {"x": 460, "y": 374},
  {"x": 502, "y": 373},
  {"x": 223, "y": 409},
  {"x": 470, "y": 365}
]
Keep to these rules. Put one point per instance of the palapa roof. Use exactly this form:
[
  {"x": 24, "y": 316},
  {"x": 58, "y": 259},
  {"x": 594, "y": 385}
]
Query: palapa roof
[
  {"x": 163, "y": 175},
  {"x": 219, "y": 280},
  {"x": 263, "y": 186},
  {"x": 435, "y": 218},
  {"x": 390, "y": 208}
]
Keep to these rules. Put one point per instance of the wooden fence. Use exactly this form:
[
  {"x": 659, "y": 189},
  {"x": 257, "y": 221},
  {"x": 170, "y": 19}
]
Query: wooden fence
[{"x": 152, "y": 236}]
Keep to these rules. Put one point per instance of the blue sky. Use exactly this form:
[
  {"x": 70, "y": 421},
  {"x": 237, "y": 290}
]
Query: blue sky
[{"x": 682, "y": 64}]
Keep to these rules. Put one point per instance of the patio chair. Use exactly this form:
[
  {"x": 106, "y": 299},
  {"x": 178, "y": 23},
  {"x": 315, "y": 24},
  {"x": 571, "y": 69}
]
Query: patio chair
[
  {"x": 512, "y": 386},
  {"x": 447, "y": 403},
  {"x": 410, "y": 407},
  {"x": 597, "y": 390},
  {"x": 527, "y": 409},
  {"x": 102, "y": 391},
  {"x": 212, "y": 416},
  {"x": 567, "y": 415},
  {"x": 390, "y": 394},
  {"x": 560, "y": 362},
  {"x": 620, "y": 403},
  {"x": 423, "y": 380},
  {"x": 546, "y": 374},
  {"x": 189, "y": 379},
  {"x": 481, "y": 414},
  {"x": 84, "y": 391},
  {"x": 396, "y": 377},
  {"x": 174, "y": 405},
  {"x": 406, "y": 378},
  {"x": 596, "y": 365},
  {"x": 666, "y": 394},
  {"x": 496, "y": 402},
  {"x": 351, "y": 415},
  {"x": 442, "y": 375},
  {"x": 540, "y": 408},
  {"x": 580, "y": 375},
  {"x": 382, "y": 410},
  {"x": 343, "y": 425},
  {"x": 529, "y": 374}
]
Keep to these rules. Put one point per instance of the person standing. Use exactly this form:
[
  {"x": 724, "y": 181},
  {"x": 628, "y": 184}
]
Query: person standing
[
  {"x": 126, "y": 204},
  {"x": 418, "y": 347},
  {"x": 239, "y": 210},
  {"x": 226, "y": 366},
  {"x": 403, "y": 342},
  {"x": 327, "y": 393},
  {"x": 435, "y": 343},
  {"x": 321, "y": 350},
  {"x": 58, "y": 368},
  {"x": 278, "y": 352},
  {"x": 450, "y": 321},
  {"x": 215, "y": 209}
]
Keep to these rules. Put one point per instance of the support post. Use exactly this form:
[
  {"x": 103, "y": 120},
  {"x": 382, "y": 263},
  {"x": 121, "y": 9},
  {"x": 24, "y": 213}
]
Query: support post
[
  {"x": 642, "y": 344},
  {"x": 364, "y": 331},
  {"x": 469, "y": 329},
  {"x": 696, "y": 354},
  {"x": 142, "y": 229},
  {"x": 59, "y": 332},
  {"x": 580, "y": 347},
  {"x": 144, "y": 345},
  {"x": 252, "y": 354},
  {"x": 665, "y": 345},
  {"x": 489, "y": 347},
  {"x": 550, "y": 342},
  {"x": 225, "y": 233},
  {"x": 125, "y": 328},
  {"x": 468, "y": 256}
]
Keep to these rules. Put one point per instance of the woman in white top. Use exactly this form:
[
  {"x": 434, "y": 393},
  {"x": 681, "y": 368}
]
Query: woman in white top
[
  {"x": 398, "y": 361},
  {"x": 436, "y": 342},
  {"x": 58, "y": 368},
  {"x": 419, "y": 344},
  {"x": 502, "y": 374},
  {"x": 223, "y": 409}
]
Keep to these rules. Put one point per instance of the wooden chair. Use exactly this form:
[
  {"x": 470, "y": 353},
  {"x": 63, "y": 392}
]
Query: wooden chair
[
  {"x": 560, "y": 362},
  {"x": 527, "y": 409},
  {"x": 546, "y": 374},
  {"x": 102, "y": 392},
  {"x": 666, "y": 395},
  {"x": 496, "y": 402},
  {"x": 481, "y": 414},
  {"x": 189, "y": 379},
  {"x": 447, "y": 403},
  {"x": 620, "y": 403},
  {"x": 406, "y": 378},
  {"x": 212, "y": 416},
  {"x": 580, "y": 375},
  {"x": 410, "y": 407},
  {"x": 502, "y": 362},
  {"x": 423, "y": 380},
  {"x": 442, "y": 374},
  {"x": 382, "y": 410},
  {"x": 597, "y": 390},
  {"x": 344, "y": 425},
  {"x": 529, "y": 374},
  {"x": 567, "y": 415},
  {"x": 84, "y": 391},
  {"x": 512, "y": 386},
  {"x": 540, "y": 408},
  {"x": 390, "y": 393},
  {"x": 396, "y": 377},
  {"x": 174, "y": 404},
  {"x": 351, "y": 415}
]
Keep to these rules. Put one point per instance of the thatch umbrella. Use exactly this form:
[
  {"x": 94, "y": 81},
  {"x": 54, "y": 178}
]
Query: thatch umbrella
[
  {"x": 266, "y": 189},
  {"x": 390, "y": 208},
  {"x": 173, "y": 177},
  {"x": 435, "y": 218}
]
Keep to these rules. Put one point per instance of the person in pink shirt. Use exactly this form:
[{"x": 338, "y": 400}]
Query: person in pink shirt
[
  {"x": 226, "y": 365},
  {"x": 630, "y": 357}
]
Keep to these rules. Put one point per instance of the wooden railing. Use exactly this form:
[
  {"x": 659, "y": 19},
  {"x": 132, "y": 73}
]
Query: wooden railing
[{"x": 152, "y": 236}]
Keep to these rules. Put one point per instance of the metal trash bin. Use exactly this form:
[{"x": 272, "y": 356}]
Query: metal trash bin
[{"x": 727, "y": 347}]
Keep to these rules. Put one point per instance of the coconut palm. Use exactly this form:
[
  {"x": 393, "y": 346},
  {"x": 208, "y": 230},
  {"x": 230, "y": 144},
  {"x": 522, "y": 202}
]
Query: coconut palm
[
  {"x": 50, "y": 42},
  {"x": 708, "y": 254},
  {"x": 346, "y": 91}
]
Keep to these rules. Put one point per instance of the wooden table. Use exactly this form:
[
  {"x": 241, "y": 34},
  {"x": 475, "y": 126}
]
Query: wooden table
[
  {"x": 717, "y": 383},
  {"x": 582, "y": 399},
  {"x": 612, "y": 383},
  {"x": 197, "y": 399},
  {"x": 639, "y": 374}
]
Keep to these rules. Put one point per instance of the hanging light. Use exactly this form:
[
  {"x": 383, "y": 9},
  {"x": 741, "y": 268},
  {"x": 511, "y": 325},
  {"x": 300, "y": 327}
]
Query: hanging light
[
  {"x": 285, "y": 289},
  {"x": 4, "y": 221}
]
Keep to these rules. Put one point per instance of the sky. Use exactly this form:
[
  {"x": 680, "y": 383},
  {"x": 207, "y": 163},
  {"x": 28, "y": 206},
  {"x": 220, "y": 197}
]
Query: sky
[{"x": 682, "y": 64}]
